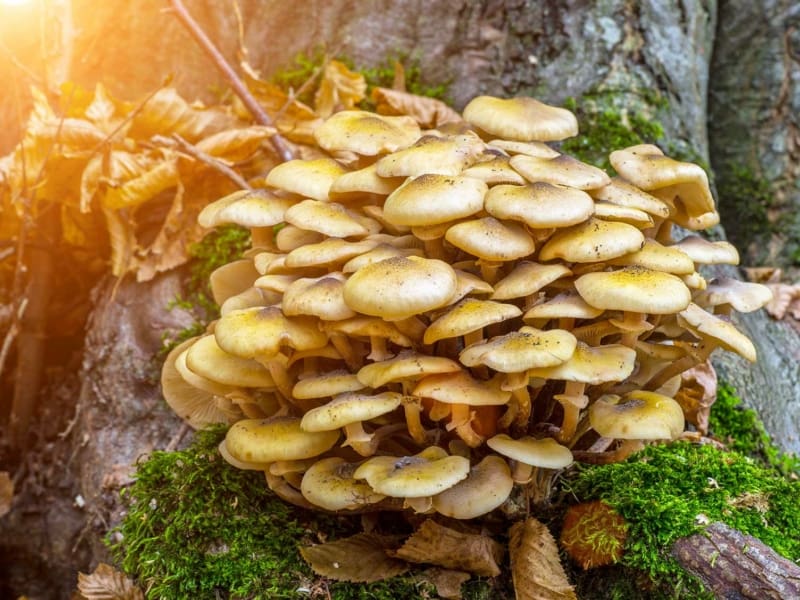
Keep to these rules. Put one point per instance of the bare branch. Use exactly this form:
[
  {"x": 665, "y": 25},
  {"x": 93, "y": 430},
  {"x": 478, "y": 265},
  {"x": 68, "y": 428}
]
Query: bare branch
[
  {"x": 258, "y": 112},
  {"x": 212, "y": 162}
]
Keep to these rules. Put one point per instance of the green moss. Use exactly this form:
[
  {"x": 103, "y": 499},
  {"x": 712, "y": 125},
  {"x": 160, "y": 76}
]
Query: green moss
[
  {"x": 199, "y": 528},
  {"x": 746, "y": 197}
]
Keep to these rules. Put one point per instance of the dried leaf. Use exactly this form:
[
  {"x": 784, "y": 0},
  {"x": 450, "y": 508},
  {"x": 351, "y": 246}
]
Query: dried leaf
[
  {"x": 6, "y": 492},
  {"x": 102, "y": 110},
  {"x": 535, "y": 565},
  {"x": 697, "y": 393},
  {"x": 763, "y": 274},
  {"x": 783, "y": 294},
  {"x": 162, "y": 176},
  {"x": 446, "y": 581},
  {"x": 106, "y": 583},
  {"x": 235, "y": 144},
  {"x": 167, "y": 113},
  {"x": 428, "y": 112},
  {"x": 122, "y": 238},
  {"x": 340, "y": 89},
  {"x": 439, "y": 545},
  {"x": 360, "y": 558}
]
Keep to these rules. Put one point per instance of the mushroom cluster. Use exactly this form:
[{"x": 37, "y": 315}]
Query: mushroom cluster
[{"x": 428, "y": 317}]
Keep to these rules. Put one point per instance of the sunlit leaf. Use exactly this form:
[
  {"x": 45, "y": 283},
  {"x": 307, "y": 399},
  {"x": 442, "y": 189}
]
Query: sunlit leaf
[
  {"x": 360, "y": 558},
  {"x": 535, "y": 564},
  {"x": 106, "y": 583},
  {"x": 122, "y": 238},
  {"x": 146, "y": 186},
  {"x": 167, "y": 113},
  {"x": 340, "y": 89},
  {"x": 103, "y": 110},
  {"x": 6, "y": 492},
  {"x": 428, "y": 112},
  {"x": 235, "y": 144},
  {"x": 439, "y": 545}
]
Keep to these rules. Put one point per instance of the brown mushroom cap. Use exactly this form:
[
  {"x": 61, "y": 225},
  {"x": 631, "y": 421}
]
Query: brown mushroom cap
[
  {"x": 400, "y": 287},
  {"x": 593, "y": 240},
  {"x": 431, "y": 199},
  {"x": 277, "y": 438},
  {"x": 540, "y": 205},
  {"x": 521, "y": 350},
  {"x": 366, "y": 133},
  {"x": 546, "y": 453},
  {"x": 634, "y": 289},
  {"x": 638, "y": 415},
  {"x": 486, "y": 487},
  {"x": 521, "y": 119}
]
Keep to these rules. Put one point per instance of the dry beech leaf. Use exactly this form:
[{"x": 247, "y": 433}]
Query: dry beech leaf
[
  {"x": 340, "y": 89},
  {"x": 167, "y": 113},
  {"x": 439, "y": 545},
  {"x": 446, "y": 581},
  {"x": 361, "y": 558},
  {"x": 106, "y": 583},
  {"x": 6, "y": 492},
  {"x": 697, "y": 393},
  {"x": 783, "y": 294},
  {"x": 535, "y": 565},
  {"x": 137, "y": 191},
  {"x": 122, "y": 239},
  {"x": 428, "y": 112},
  {"x": 235, "y": 144}
]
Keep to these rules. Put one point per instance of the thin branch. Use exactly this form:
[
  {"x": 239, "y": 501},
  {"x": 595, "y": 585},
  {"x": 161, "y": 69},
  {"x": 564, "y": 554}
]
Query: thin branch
[
  {"x": 12, "y": 332},
  {"x": 239, "y": 88},
  {"x": 212, "y": 162},
  {"x": 128, "y": 118}
]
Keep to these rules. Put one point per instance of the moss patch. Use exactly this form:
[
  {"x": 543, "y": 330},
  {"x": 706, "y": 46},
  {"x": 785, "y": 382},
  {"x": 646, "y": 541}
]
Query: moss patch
[{"x": 746, "y": 197}]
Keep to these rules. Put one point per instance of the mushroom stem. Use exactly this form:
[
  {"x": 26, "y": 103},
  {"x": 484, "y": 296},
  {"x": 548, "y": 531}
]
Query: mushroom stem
[
  {"x": 623, "y": 451},
  {"x": 461, "y": 420},
  {"x": 412, "y": 410},
  {"x": 593, "y": 333},
  {"x": 286, "y": 492},
  {"x": 704, "y": 349},
  {"x": 344, "y": 347},
  {"x": 572, "y": 401},
  {"x": 490, "y": 271},
  {"x": 369, "y": 445},
  {"x": 521, "y": 472},
  {"x": 634, "y": 323},
  {"x": 523, "y": 399}
]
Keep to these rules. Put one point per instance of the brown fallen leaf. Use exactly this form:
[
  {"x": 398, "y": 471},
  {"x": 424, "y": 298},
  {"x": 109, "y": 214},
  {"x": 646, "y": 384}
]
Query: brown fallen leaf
[
  {"x": 428, "y": 112},
  {"x": 361, "y": 558},
  {"x": 446, "y": 581},
  {"x": 340, "y": 89},
  {"x": 6, "y": 492},
  {"x": 697, "y": 393},
  {"x": 106, "y": 583},
  {"x": 535, "y": 565},
  {"x": 438, "y": 545}
]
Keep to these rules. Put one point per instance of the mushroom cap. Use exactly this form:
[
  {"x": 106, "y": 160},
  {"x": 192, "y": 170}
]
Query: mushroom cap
[
  {"x": 363, "y": 181},
  {"x": 490, "y": 239},
  {"x": 277, "y": 438},
  {"x": 400, "y": 287},
  {"x": 431, "y": 154},
  {"x": 378, "y": 253},
  {"x": 406, "y": 365},
  {"x": 653, "y": 255},
  {"x": 208, "y": 360},
  {"x": 329, "y": 484},
  {"x": 231, "y": 279},
  {"x": 487, "y": 486},
  {"x": 625, "y": 214},
  {"x": 539, "y": 149},
  {"x": 468, "y": 315},
  {"x": 623, "y": 193},
  {"x": 349, "y": 408},
  {"x": 322, "y": 297},
  {"x": 743, "y": 296},
  {"x": 260, "y": 332},
  {"x": 592, "y": 365},
  {"x": 705, "y": 252},
  {"x": 195, "y": 406},
  {"x": 290, "y": 237},
  {"x": 521, "y": 350},
  {"x": 366, "y": 133},
  {"x": 710, "y": 327},
  {"x": 594, "y": 240},
  {"x": 526, "y": 279},
  {"x": 461, "y": 388},
  {"x": 328, "y": 252},
  {"x": 248, "y": 208},
  {"x": 561, "y": 170},
  {"x": 427, "y": 473},
  {"x": 634, "y": 289},
  {"x": 520, "y": 119},
  {"x": 310, "y": 178},
  {"x": 495, "y": 170},
  {"x": 365, "y": 327},
  {"x": 638, "y": 415},
  {"x": 326, "y": 385},
  {"x": 546, "y": 453},
  {"x": 540, "y": 205},
  {"x": 566, "y": 305},
  {"x": 329, "y": 218},
  {"x": 432, "y": 199}
]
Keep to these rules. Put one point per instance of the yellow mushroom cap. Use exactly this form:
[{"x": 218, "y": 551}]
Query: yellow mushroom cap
[
  {"x": 366, "y": 133},
  {"x": 461, "y": 388},
  {"x": 593, "y": 240},
  {"x": 406, "y": 365},
  {"x": 526, "y": 279},
  {"x": 329, "y": 484},
  {"x": 469, "y": 315},
  {"x": 623, "y": 193},
  {"x": 561, "y": 170},
  {"x": 487, "y": 486},
  {"x": 327, "y": 384},
  {"x": 427, "y": 473},
  {"x": 232, "y": 279},
  {"x": 705, "y": 252},
  {"x": 708, "y": 326},
  {"x": 638, "y": 415},
  {"x": 349, "y": 408},
  {"x": 329, "y": 218},
  {"x": 521, "y": 350},
  {"x": 322, "y": 297},
  {"x": 400, "y": 287},
  {"x": 546, "y": 453},
  {"x": 521, "y": 119},
  {"x": 592, "y": 365},
  {"x": 363, "y": 181},
  {"x": 248, "y": 208},
  {"x": 491, "y": 239},
  {"x": 530, "y": 148},
  {"x": 309, "y": 178},
  {"x": 432, "y": 199},
  {"x": 540, "y": 205},
  {"x": 634, "y": 289},
  {"x": 566, "y": 305},
  {"x": 278, "y": 438},
  {"x": 657, "y": 257},
  {"x": 207, "y": 359},
  {"x": 743, "y": 296},
  {"x": 495, "y": 170},
  {"x": 432, "y": 154}
]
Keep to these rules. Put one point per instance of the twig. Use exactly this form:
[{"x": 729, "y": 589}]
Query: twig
[
  {"x": 212, "y": 162},
  {"x": 12, "y": 332},
  {"x": 176, "y": 439},
  {"x": 239, "y": 88},
  {"x": 128, "y": 118}
]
